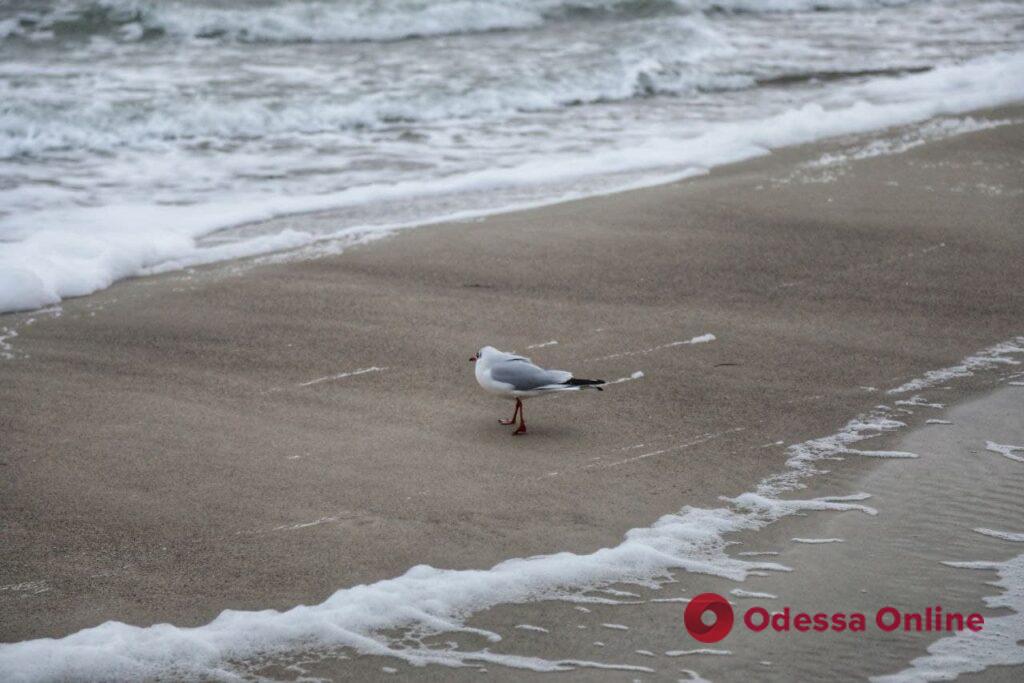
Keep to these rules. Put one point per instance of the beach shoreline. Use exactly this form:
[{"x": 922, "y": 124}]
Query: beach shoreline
[
  {"x": 258, "y": 435},
  {"x": 916, "y": 549}
]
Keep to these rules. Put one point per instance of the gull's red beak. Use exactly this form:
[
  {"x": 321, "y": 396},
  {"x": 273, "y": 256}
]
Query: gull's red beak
[{"x": 472, "y": 359}]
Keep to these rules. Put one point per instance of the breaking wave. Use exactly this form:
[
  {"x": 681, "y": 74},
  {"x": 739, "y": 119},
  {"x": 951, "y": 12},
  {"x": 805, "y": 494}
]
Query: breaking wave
[{"x": 355, "y": 21}]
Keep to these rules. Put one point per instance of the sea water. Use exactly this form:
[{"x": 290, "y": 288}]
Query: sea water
[{"x": 140, "y": 136}]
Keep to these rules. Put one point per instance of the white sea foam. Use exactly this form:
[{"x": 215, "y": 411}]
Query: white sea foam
[
  {"x": 693, "y": 677},
  {"x": 880, "y": 454},
  {"x": 26, "y": 588},
  {"x": 933, "y": 130},
  {"x": 698, "y": 651},
  {"x": 1005, "y": 450},
  {"x": 742, "y": 593},
  {"x": 996, "y": 645},
  {"x": 1000, "y": 354},
  {"x": 919, "y": 401},
  {"x": 6, "y": 348},
  {"x": 8, "y": 333},
  {"x": 803, "y": 456},
  {"x": 1003, "y": 535}
]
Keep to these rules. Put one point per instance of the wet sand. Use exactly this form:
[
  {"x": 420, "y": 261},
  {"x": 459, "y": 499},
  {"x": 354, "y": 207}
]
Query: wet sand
[
  {"x": 169, "y": 451},
  {"x": 928, "y": 510}
]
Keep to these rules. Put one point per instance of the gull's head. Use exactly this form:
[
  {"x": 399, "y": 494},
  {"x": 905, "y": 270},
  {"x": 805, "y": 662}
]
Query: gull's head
[{"x": 483, "y": 353}]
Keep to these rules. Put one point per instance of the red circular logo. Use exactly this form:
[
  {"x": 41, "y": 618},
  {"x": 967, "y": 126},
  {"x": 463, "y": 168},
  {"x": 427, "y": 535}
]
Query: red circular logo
[{"x": 717, "y": 605}]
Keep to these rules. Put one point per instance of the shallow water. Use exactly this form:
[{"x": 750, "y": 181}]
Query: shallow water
[{"x": 929, "y": 512}]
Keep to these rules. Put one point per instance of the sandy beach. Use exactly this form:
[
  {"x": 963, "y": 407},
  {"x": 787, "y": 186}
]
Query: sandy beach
[{"x": 258, "y": 434}]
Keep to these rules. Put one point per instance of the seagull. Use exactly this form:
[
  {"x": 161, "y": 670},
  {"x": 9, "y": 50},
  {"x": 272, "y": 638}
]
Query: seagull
[{"x": 507, "y": 374}]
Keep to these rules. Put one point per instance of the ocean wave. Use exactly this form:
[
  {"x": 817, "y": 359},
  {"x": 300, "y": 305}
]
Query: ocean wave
[
  {"x": 355, "y": 21},
  {"x": 57, "y": 253},
  {"x": 111, "y": 124},
  {"x": 51, "y": 122}
]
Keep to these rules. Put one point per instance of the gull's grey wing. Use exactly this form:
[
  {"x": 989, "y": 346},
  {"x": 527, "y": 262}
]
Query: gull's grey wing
[{"x": 524, "y": 376}]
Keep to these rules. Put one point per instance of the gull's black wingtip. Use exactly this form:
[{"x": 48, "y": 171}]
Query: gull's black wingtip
[{"x": 585, "y": 383}]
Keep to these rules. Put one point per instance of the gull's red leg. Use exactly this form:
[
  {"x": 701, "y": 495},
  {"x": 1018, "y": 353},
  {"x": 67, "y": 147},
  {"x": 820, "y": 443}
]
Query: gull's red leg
[
  {"x": 519, "y": 406},
  {"x": 522, "y": 422}
]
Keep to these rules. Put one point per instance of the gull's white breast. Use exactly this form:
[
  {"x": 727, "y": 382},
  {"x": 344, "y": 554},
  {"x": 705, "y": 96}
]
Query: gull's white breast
[{"x": 484, "y": 379}]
